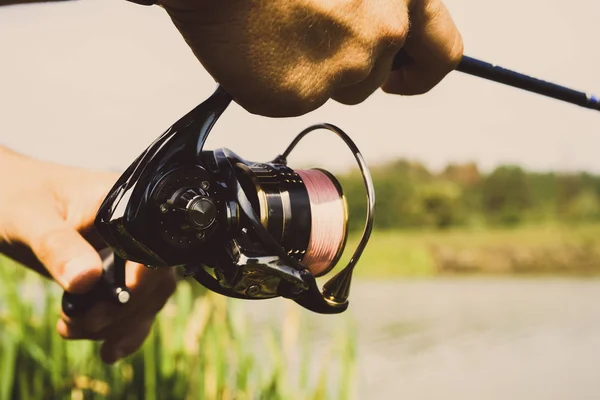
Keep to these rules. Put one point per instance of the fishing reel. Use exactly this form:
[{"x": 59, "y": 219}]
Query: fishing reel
[{"x": 244, "y": 229}]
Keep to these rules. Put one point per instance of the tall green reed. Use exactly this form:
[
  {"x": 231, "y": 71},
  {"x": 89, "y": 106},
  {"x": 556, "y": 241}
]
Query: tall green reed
[{"x": 201, "y": 347}]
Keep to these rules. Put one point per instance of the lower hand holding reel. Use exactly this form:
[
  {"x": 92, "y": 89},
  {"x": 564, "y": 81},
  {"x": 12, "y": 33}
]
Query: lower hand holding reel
[{"x": 243, "y": 229}]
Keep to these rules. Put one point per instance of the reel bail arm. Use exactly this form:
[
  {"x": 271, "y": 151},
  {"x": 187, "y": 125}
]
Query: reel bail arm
[{"x": 337, "y": 289}]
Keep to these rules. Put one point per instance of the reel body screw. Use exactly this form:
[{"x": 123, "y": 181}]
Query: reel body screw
[
  {"x": 205, "y": 185},
  {"x": 123, "y": 295},
  {"x": 253, "y": 290},
  {"x": 164, "y": 208}
]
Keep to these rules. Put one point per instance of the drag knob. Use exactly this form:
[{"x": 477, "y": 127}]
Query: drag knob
[
  {"x": 195, "y": 208},
  {"x": 201, "y": 212}
]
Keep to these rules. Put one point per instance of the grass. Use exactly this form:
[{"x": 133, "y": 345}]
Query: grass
[
  {"x": 548, "y": 249},
  {"x": 200, "y": 347},
  {"x": 205, "y": 345}
]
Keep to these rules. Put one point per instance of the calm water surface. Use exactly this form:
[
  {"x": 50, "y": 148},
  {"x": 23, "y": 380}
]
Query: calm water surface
[{"x": 468, "y": 338}]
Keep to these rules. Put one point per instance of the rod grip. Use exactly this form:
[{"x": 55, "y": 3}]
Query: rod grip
[{"x": 109, "y": 288}]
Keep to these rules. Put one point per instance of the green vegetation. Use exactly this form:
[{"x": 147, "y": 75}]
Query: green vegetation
[
  {"x": 540, "y": 249},
  {"x": 462, "y": 221},
  {"x": 408, "y": 196},
  {"x": 202, "y": 347}
]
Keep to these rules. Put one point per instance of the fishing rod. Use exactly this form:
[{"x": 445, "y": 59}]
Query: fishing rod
[
  {"x": 485, "y": 70},
  {"x": 244, "y": 229}
]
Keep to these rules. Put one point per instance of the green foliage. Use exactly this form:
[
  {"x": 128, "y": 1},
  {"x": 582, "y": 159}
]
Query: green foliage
[
  {"x": 440, "y": 204},
  {"x": 505, "y": 195},
  {"x": 408, "y": 196},
  {"x": 201, "y": 347},
  {"x": 556, "y": 249},
  {"x": 583, "y": 207}
]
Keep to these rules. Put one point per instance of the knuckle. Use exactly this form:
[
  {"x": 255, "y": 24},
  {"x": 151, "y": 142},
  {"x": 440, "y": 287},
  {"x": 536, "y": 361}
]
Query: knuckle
[
  {"x": 355, "y": 68},
  {"x": 394, "y": 27},
  {"x": 393, "y": 34},
  {"x": 356, "y": 94}
]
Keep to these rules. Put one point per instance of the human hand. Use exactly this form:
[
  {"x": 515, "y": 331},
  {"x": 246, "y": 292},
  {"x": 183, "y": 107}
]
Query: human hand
[
  {"x": 283, "y": 58},
  {"x": 46, "y": 222}
]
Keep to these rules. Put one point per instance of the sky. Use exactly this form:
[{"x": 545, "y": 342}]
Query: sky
[{"x": 92, "y": 82}]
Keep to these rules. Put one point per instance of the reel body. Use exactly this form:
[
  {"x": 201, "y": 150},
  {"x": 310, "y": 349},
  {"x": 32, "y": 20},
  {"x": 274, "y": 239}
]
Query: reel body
[{"x": 248, "y": 230}]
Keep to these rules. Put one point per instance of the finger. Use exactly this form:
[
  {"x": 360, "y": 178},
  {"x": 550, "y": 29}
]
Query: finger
[
  {"x": 121, "y": 338},
  {"x": 145, "y": 285},
  {"x": 119, "y": 341},
  {"x": 359, "y": 92},
  {"x": 150, "y": 290},
  {"x": 118, "y": 329},
  {"x": 119, "y": 346},
  {"x": 392, "y": 30},
  {"x": 126, "y": 337},
  {"x": 67, "y": 256},
  {"x": 77, "y": 329},
  {"x": 435, "y": 48}
]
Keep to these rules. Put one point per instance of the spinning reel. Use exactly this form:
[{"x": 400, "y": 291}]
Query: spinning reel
[{"x": 244, "y": 229}]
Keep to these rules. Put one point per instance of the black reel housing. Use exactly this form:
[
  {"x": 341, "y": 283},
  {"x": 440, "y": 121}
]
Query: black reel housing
[{"x": 240, "y": 228}]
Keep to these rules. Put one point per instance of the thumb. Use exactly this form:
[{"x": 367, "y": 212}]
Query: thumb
[{"x": 67, "y": 256}]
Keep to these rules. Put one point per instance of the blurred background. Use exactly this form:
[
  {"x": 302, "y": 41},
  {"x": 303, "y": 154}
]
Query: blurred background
[{"x": 480, "y": 280}]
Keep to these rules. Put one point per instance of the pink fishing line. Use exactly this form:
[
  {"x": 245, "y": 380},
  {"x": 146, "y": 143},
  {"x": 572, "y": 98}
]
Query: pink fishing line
[{"x": 327, "y": 220}]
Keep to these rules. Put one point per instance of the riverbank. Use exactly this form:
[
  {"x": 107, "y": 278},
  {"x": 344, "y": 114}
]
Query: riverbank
[{"x": 526, "y": 250}]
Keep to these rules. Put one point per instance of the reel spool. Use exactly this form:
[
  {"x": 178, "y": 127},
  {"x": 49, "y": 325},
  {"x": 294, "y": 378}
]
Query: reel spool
[
  {"x": 249, "y": 230},
  {"x": 304, "y": 210}
]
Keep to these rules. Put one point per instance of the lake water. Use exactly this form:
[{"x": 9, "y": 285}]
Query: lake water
[{"x": 468, "y": 338}]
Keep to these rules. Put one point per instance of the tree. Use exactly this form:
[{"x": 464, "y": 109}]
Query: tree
[{"x": 506, "y": 195}]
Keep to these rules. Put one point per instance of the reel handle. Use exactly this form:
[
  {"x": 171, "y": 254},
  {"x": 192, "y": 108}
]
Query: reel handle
[{"x": 110, "y": 287}]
